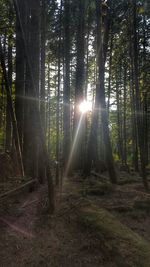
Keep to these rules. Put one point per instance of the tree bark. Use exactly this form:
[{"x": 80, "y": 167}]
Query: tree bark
[
  {"x": 11, "y": 110},
  {"x": 137, "y": 99},
  {"x": 38, "y": 118},
  {"x": 66, "y": 93}
]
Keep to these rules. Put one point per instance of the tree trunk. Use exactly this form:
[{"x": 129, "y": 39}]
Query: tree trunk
[
  {"x": 100, "y": 101},
  {"x": 137, "y": 99},
  {"x": 79, "y": 85},
  {"x": 20, "y": 70},
  {"x": 8, "y": 141},
  {"x": 11, "y": 111},
  {"x": 58, "y": 100},
  {"x": 66, "y": 93},
  {"x": 38, "y": 118},
  {"x": 41, "y": 167}
]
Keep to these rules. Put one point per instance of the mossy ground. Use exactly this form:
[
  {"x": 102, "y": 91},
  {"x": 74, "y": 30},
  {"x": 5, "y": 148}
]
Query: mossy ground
[
  {"x": 128, "y": 248},
  {"x": 95, "y": 225}
]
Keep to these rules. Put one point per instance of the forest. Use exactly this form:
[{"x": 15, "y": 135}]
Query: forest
[{"x": 75, "y": 133}]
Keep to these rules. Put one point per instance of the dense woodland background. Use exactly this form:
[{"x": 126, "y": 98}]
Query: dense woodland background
[
  {"x": 54, "y": 55},
  {"x": 74, "y": 133}
]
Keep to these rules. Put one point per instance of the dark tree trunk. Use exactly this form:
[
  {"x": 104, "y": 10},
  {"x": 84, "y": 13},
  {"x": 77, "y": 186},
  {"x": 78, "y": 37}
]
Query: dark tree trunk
[
  {"x": 8, "y": 141},
  {"x": 132, "y": 99},
  {"x": 34, "y": 86},
  {"x": 43, "y": 40},
  {"x": 100, "y": 100},
  {"x": 119, "y": 122},
  {"x": 110, "y": 73},
  {"x": 49, "y": 111},
  {"x": 79, "y": 85},
  {"x": 20, "y": 70},
  {"x": 137, "y": 99},
  {"x": 11, "y": 111},
  {"x": 66, "y": 93},
  {"x": 58, "y": 100},
  {"x": 31, "y": 155},
  {"x": 101, "y": 62},
  {"x": 41, "y": 167},
  {"x": 124, "y": 119}
]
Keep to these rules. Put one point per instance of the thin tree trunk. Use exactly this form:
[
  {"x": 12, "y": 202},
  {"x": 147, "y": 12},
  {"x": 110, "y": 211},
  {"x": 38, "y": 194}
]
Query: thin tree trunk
[
  {"x": 11, "y": 110},
  {"x": 20, "y": 71},
  {"x": 8, "y": 141},
  {"x": 110, "y": 74},
  {"x": 66, "y": 93},
  {"x": 79, "y": 85},
  {"x": 119, "y": 122},
  {"x": 41, "y": 167},
  {"x": 58, "y": 100},
  {"x": 124, "y": 120}
]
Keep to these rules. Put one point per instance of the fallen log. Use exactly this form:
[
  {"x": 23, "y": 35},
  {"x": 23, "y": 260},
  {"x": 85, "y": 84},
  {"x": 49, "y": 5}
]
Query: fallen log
[
  {"x": 18, "y": 189},
  {"x": 126, "y": 247},
  {"x": 103, "y": 177}
]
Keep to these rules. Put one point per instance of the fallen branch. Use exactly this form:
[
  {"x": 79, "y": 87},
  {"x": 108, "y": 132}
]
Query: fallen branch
[
  {"x": 99, "y": 175},
  {"x": 18, "y": 189},
  {"x": 133, "y": 191}
]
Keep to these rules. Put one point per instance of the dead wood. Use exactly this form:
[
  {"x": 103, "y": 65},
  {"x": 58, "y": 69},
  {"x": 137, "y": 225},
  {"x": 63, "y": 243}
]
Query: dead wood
[{"x": 17, "y": 190}]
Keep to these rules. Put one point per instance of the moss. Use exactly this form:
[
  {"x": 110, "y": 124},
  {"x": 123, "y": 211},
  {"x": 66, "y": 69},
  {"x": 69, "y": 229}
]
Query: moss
[
  {"x": 127, "y": 246},
  {"x": 97, "y": 188}
]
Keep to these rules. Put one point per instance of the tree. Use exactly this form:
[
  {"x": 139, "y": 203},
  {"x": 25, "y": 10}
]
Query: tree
[
  {"x": 66, "y": 91},
  {"x": 100, "y": 102},
  {"x": 79, "y": 85}
]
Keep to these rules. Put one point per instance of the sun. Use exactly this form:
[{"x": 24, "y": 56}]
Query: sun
[{"x": 85, "y": 106}]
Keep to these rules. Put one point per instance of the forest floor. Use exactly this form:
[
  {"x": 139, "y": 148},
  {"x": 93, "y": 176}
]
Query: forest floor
[{"x": 31, "y": 237}]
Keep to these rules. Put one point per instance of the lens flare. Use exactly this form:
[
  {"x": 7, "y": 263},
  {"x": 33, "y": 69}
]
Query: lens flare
[{"x": 85, "y": 106}]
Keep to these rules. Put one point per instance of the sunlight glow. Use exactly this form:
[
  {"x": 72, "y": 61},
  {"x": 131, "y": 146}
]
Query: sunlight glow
[
  {"x": 73, "y": 146},
  {"x": 85, "y": 106}
]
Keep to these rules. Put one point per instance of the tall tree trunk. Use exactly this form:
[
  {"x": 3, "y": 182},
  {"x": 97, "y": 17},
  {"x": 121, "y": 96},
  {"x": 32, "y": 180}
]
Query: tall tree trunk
[
  {"x": 132, "y": 99},
  {"x": 100, "y": 101},
  {"x": 66, "y": 93},
  {"x": 38, "y": 117},
  {"x": 119, "y": 122},
  {"x": 33, "y": 97},
  {"x": 20, "y": 70},
  {"x": 41, "y": 167},
  {"x": 49, "y": 110},
  {"x": 11, "y": 111},
  {"x": 104, "y": 115},
  {"x": 43, "y": 40},
  {"x": 124, "y": 119},
  {"x": 8, "y": 140},
  {"x": 79, "y": 85},
  {"x": 137, "y": 100},
  {"x": 58, "y": 100},
  {"x": 110, "y": 73}
]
